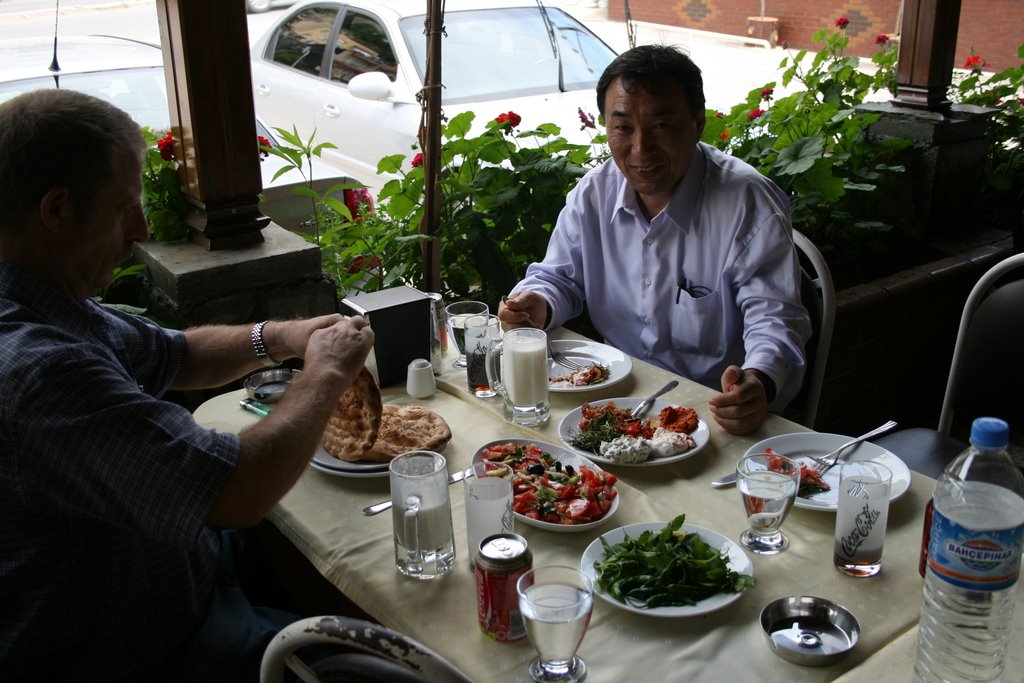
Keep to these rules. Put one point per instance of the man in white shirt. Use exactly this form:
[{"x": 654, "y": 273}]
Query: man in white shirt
[{"x": 682, "y": 254}]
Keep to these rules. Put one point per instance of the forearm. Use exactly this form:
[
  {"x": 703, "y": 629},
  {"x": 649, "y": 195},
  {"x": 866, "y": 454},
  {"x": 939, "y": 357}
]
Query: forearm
[{"x": 216, "y": 355}]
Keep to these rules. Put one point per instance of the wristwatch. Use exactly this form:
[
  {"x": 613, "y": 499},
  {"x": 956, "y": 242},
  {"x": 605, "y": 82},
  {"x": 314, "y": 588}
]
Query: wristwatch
[{"x": 260, "y": 347}]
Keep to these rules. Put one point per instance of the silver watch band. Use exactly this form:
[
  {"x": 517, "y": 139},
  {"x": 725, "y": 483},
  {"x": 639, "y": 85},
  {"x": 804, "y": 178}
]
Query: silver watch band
[{"x": 259, "y": 346}]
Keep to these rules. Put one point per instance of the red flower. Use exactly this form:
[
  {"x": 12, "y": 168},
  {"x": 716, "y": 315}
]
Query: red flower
[
  {"x": 363, "y": 263},
  {"x": 357, "y": 197},
  {"x": 586, "y": 119},
  {"x": 166, "y": 146},
  {"x": 725, "y": 134},
  {"x": 417, "y": 160},
  {"x": 511, "y": 117},
  {"x": 719, "y": 115},
  {"x": 766, "y": 94},
  {"x": 842, "y": 22},
  {"x": 881, "y": 39},
  {"x": 263, "y": 142},
  {"x": 754, "y": 114},
  {"x": 974, "y": 62}
]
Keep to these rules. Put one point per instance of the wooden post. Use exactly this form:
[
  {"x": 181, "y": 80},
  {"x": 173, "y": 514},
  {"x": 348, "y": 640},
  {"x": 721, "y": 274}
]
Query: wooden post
[
  {"x": 430, "y": 141},
  {"x": 924, "y": 71},
  {"x": 209, "y": 90}
]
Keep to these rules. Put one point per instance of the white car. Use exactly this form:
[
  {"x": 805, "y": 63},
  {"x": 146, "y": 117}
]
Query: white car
[
  {"x": 130, "y": 75},
  {"x": 351, "y": 72}
]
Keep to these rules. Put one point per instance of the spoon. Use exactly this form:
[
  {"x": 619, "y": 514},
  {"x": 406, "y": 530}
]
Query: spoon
[{"x": 645, "y": 405}]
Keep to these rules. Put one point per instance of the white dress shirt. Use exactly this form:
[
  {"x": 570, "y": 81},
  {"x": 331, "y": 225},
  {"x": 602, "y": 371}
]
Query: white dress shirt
[{"x": 711, "y": 281}]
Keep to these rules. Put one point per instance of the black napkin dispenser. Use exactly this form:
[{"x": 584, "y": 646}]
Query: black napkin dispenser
[{"x": 400, "y": 319}]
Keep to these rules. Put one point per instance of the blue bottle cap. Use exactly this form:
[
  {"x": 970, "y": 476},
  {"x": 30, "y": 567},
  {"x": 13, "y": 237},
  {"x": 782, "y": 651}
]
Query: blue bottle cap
[{"x": 990, "y": 432}]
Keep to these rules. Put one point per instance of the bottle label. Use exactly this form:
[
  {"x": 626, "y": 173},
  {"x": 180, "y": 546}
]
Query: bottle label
[{"x": 986, "y": 560}]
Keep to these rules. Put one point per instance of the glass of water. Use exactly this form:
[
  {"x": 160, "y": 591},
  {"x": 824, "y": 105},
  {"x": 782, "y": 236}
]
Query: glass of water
[
  {"x": 767, "y": 484},
  {"x": 556, "y": 603},
  {"x": 457, "y": 314}
]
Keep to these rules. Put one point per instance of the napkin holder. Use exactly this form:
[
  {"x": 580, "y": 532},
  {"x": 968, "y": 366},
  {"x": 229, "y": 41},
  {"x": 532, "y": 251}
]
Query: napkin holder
[{"x": 400, "y": 319}]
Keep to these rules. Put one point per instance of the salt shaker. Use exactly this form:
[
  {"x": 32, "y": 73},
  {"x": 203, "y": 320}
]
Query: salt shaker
[{"x": 419, "y": 382}]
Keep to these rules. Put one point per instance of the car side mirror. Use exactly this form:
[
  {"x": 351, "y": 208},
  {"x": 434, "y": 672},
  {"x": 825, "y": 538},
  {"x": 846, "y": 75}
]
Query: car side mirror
[{"x": 373, "y": 85}]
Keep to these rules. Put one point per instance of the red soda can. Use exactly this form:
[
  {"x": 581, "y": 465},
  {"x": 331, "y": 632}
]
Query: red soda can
[{"x": 500, "y": 561}]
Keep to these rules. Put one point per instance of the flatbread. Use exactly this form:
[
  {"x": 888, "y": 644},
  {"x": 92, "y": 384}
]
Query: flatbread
[
  {"x": 408, "y": 428},
  {"x": 353, "y": 427}
]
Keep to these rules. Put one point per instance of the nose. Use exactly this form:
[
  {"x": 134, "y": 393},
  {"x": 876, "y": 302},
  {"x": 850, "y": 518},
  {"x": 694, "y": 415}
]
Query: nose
[
  {"x": 139, "y": 226},
  {"x": 643, "y": 141}
]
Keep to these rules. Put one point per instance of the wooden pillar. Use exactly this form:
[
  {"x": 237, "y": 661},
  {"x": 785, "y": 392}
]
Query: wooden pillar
[
  {"x": 927, "y": 49},
  {"x": 430, "y": 142},
  {"x": 209, "y": 89}
]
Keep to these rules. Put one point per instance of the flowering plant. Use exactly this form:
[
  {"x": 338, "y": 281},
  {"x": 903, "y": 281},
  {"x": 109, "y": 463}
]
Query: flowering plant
[{"x": 163, "y": 201}]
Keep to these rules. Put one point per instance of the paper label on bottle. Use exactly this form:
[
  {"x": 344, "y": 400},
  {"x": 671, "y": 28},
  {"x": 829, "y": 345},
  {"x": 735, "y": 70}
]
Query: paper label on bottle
[{"x": 986, "y": 560}]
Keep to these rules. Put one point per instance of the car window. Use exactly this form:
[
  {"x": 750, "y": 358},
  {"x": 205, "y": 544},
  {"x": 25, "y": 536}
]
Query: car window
[
  {"x": 300, "y": 43},
  {"x": 362, "y": 46},
  {"x": 503, "y": 52}
]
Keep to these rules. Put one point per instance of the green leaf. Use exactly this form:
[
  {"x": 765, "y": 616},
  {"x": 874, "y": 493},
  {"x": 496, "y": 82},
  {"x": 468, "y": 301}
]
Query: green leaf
[{"x": 799, "y": 156}]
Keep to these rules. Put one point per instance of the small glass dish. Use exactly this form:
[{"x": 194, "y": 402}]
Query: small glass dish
[
  {"x": 809, "y": 631},
  {"x": 268, "y": 386}
]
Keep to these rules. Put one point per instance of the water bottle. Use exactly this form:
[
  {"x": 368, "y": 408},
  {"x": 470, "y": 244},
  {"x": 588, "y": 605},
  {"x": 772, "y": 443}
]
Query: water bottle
[{"x": 974, "y": 555}]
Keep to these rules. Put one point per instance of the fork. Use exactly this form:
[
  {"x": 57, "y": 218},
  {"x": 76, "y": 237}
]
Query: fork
[
  {"x": 824, "y": 464},
  {"x": 562, "y": 360}
]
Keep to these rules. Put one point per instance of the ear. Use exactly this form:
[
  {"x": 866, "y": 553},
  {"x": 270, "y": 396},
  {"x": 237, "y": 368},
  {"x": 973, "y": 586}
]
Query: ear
[
  {"x": 700, "y": 122},
  {"x": 55, "y": 208}
]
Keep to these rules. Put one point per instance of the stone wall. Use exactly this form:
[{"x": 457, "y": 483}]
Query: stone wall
[{"x": 993, "y": 28}]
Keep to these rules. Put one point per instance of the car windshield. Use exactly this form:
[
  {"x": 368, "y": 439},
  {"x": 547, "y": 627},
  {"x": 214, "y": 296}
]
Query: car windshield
[{"x": 498, "y": 53}]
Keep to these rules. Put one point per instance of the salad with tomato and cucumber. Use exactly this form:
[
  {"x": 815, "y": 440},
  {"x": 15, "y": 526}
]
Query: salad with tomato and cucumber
[{"x": 545, "y": 489}]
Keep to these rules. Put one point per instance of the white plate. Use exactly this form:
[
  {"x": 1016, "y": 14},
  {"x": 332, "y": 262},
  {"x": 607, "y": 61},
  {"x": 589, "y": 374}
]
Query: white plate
[
  {"x": 566, "y": 457},
  {"x": 586, "y": 352},
  {"x": 569, "y": 428},
  {"x": 817, "y": 444},
  {"x": 324, "y": 462},
  {"x": 737, "y": 561}
]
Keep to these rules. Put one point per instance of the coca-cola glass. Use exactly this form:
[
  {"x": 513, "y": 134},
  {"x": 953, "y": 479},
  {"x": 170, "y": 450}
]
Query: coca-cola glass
[{"x": 861, "y": 516}]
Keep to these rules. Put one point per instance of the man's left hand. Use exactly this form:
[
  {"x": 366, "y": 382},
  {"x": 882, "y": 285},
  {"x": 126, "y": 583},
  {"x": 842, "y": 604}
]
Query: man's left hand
[{"x": 743, "y": 404}]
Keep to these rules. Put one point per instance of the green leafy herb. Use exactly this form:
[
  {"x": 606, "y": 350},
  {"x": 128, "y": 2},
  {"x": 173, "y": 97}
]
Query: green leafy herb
[
  {"x": 600, "y": 429},
  {"x": 666, "y": 568}
]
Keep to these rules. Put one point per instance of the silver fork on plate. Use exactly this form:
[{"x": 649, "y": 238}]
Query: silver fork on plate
[
  {"x": 827, "y": 462},
  {"x": 562, "y": 360}
]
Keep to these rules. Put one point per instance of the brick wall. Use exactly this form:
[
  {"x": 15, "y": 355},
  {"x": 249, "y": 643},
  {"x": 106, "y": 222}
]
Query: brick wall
[{"x": 994, "y": 28}]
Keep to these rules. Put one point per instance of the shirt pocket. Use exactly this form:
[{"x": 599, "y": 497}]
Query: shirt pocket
[{"x": 697, "y": 323}]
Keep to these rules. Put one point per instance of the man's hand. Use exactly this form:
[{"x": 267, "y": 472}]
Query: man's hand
[
  {"x": 743, "y": 405},
  {"x": 524, "y": 309},
  {"x": 342, "y": 346}
]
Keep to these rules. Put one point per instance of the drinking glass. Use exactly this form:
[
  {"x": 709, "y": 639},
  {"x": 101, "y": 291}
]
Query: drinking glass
[
  {"x": 556, "y": 603},
  {"x": 861, "y": 515},
  {"x": 767, "y": 484},
  {"x": 488, "y": 489},
  {"x": 421, "y": 515},
  {"x": 481, "y": 332},
  {"x": 456, "y": 315},
  {"x": 517, "y": 368}
]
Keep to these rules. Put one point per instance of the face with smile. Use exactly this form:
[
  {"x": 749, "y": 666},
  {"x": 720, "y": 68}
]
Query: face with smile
[{"x": 652, "y": 137}]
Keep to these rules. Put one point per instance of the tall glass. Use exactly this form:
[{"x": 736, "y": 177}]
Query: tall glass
[
  {"x": 481, "y": 332},
  {"x": 456, "y": 314},
  {"x": 556, "y": 603},
  {"x": 861, "y": 515},
  {"x": 488, "y": 489},
  {"x": 767, "y": 484}
]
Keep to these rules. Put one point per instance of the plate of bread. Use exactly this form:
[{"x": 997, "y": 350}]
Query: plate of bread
[{"x": 364, "y": 434}]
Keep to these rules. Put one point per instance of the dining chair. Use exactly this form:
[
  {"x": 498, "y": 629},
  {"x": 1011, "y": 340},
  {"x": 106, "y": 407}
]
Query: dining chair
[
  {"x": 985, "y": 373},
  {"x": 818, "y": 295},
  {"x": 366, "y": 653}
]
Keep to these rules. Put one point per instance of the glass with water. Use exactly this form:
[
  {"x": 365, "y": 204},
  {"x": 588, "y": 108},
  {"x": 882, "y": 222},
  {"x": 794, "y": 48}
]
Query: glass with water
[
  {"x": 861, "y": 515},
  {"x": 421, "y": 515},
  {"x": 556, "y": 603}
]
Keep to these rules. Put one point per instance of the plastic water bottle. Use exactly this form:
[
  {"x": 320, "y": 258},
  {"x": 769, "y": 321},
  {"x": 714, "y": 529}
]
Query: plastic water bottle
[{"x": 974, "y": 556}]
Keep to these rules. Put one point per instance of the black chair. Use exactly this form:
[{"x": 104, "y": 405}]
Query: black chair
[
  {"x": 985, "y": 375},
  {"x": 366, "y": 653}
]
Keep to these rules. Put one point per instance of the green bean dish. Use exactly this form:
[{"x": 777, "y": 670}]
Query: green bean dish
[{"x": 666, "y": 568}]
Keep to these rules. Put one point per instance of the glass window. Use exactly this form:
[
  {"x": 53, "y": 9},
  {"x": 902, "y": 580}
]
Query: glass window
[
  {"x": 300, "y": 44},
  {"x": 494, "y": 53},
  {"x": 362, "y": 46}
]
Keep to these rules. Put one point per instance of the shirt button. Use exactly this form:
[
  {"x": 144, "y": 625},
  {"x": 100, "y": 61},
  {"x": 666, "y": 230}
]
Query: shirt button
[
  {"x": 649, "y": 355},
  {"x": 647, "y": 282},
  {"x": 648, "y": 241},
  {"x": 647, "y": 321}
]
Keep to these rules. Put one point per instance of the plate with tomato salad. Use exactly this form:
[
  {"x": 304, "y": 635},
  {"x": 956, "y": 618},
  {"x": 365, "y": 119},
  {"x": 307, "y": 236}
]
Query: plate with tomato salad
[
  {"x": 802, "y": 446},
  {"x": 554, "y": 488}
]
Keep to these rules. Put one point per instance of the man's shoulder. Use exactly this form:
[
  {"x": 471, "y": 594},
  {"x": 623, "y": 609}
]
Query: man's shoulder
[{"x": 739, "y": 177}]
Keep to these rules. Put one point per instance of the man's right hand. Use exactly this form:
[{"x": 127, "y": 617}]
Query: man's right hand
[
  {"x": 523, "y": 309},
  {"x": 342, "y": 346}
]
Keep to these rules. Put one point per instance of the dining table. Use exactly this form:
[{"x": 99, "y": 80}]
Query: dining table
[{"x": 322, "y": 517}]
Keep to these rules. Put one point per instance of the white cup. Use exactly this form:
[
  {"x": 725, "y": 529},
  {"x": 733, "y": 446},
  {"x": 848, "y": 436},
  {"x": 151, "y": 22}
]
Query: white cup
[
  {"x": 517, "y": 368},
  {"x": 861, "y": 516},
  {"x": 419, "y": 382},
  {"x": 488, "y": 489}
]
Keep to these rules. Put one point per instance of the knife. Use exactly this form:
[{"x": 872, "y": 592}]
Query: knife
[
  {"x": 645, "y": 404},
  {"x": 727, "y": 480},
  {"x": 385, "y": 504}
]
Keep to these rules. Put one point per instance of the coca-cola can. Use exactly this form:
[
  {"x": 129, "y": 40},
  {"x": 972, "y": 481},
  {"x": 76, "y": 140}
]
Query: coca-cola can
[{"x": 500, "y": 560}]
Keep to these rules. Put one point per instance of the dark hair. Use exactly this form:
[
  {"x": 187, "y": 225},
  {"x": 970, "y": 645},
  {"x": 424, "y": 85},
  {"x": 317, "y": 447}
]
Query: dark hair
[
  {"x": 59, "y": 138},
  {"x": 650, "y": 66}
]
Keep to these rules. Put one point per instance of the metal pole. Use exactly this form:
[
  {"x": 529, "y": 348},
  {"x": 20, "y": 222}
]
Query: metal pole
[{"x": 430, "y": 141}]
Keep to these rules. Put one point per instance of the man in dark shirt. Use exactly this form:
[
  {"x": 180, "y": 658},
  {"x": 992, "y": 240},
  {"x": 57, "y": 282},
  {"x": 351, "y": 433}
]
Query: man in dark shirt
[{"x": 110, "y": 497}]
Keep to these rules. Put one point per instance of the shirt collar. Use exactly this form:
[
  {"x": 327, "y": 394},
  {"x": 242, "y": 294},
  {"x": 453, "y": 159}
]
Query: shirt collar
[
  {"x": 683, "y": 204},
  {"x": 25, "y": 289}
]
